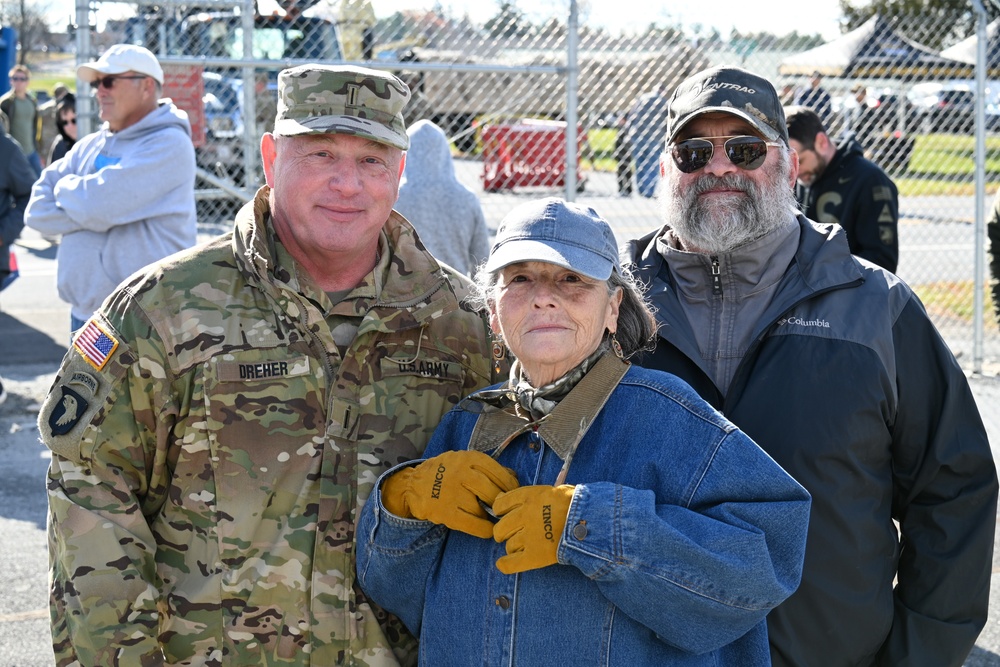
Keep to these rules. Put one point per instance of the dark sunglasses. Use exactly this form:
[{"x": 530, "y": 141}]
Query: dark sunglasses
[
  {"x": 745, "y": 152},
  {"x": 69, "y": 121},
  {"x": 18, "y": 78},
  {"x": 108, "y": 82}
]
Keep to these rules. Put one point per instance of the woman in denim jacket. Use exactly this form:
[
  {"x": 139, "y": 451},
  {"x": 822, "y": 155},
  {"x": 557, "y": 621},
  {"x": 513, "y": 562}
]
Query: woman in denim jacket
[{"x": 588, "y": 511}]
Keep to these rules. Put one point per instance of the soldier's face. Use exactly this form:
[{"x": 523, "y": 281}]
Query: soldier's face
[{"x": 331, "y": 193}]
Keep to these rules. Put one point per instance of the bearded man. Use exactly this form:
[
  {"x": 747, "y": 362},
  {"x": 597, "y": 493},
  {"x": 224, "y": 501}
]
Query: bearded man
[{"x": 831, "y": 364}]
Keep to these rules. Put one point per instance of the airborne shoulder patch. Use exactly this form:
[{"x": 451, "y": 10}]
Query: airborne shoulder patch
[{"x": 73, "y": 401}]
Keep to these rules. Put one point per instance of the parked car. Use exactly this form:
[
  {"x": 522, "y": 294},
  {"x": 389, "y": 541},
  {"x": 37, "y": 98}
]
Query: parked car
[
  {"x": 943, "y": 107},
  {"x": 891, "y": 107},
  {"x": 222, "y": 152}
]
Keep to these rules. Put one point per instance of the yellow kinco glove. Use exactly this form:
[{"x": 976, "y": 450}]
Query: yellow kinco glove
[
  {"x": 447, "y": 488},
  {"x": 532, "y": 522}
]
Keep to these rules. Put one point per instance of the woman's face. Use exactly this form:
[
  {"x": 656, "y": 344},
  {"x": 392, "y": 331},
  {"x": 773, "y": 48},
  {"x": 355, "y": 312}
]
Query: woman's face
[
  {"x": 551, "y": 318},
  {"x": 68, "y": 118}
]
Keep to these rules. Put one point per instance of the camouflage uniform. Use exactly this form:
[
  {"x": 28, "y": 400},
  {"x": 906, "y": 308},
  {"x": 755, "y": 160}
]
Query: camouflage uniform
[{"x": 217, "y": 427}]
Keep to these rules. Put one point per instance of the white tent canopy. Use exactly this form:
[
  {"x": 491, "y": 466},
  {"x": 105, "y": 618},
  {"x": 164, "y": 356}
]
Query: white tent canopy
[
  {"x": 965, "y": 51},
  {"x": 873, "y": 50}
]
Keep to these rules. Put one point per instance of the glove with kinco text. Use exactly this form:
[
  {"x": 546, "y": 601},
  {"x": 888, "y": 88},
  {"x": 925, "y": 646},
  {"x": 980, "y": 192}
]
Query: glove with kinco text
[
  {"x": 532, "y": 522},
  {"x": 447, "y": 488}
]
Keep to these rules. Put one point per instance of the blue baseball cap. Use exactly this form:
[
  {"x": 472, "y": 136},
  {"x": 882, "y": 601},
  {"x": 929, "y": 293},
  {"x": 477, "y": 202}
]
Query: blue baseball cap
[{"x": 555, "y": 231}]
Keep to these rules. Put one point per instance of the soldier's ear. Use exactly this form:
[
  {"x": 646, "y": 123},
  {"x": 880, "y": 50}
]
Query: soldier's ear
[{"x": 268, "y": 151}]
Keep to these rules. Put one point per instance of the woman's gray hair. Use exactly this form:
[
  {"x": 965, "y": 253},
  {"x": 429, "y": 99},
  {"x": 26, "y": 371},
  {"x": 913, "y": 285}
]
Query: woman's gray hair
[{"x": 636, "y": 323}]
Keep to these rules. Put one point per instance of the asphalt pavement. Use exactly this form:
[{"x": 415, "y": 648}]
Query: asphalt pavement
[{"x": 34, "y": 335}]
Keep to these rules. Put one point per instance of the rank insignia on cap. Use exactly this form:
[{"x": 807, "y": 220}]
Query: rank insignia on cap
[{"x": 95, "y": 344}]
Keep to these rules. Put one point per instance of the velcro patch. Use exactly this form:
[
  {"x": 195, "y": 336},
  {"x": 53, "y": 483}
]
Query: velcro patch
[
  {"x": 79, "y": 395},
  {"x": 75, "y": 397},
  {"x": 251, "y": 371},
  {"x": 95, "y": 344},
  {"x": 887, "y": 234},
  {"x": 881, "y": 193},
  {"x": 428, "y": 368}
]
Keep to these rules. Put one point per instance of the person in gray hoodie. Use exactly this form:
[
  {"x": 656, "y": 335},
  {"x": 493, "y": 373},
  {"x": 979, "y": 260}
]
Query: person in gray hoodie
[
  {"x": 123, "y": 196},
  {"x": 446, "y": 214}
]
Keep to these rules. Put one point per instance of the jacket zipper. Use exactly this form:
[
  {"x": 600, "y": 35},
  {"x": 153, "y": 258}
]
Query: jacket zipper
[{"x": 716, "y": 276}]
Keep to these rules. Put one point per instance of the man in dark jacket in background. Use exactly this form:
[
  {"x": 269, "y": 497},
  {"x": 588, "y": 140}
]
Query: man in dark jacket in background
[
  {"x": 838, "y": 184},
  {"x": 832, "y": 366},
  {"x": 16, "y": 177}
]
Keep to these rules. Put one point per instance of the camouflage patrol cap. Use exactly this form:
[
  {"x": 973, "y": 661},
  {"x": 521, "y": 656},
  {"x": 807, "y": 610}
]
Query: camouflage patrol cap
[{"x": 342, "y": 99}]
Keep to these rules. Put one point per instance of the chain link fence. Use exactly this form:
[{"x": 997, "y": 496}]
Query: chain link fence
[{"x": 526, "y": 122}]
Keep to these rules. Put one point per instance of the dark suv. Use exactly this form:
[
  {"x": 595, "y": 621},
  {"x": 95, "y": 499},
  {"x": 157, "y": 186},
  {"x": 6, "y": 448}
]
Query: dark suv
[{"x": 943, "y": 108}]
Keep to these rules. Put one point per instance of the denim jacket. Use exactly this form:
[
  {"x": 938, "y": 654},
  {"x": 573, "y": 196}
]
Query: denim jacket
[{"x": 682, "y": 534}]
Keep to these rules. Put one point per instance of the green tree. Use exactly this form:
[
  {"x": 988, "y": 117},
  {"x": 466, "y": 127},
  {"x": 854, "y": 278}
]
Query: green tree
[
  {"x": 934, "y": 23},
  {"x": 509, "y": 21}
]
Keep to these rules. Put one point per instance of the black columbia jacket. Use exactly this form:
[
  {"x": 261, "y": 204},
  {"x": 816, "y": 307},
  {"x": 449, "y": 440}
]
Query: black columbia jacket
[
  {"x": 856, "y": 194},
  {"x": 848, "y": 385}
]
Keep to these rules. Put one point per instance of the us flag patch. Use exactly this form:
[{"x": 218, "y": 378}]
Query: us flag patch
[{"x": 95, "y": 344}]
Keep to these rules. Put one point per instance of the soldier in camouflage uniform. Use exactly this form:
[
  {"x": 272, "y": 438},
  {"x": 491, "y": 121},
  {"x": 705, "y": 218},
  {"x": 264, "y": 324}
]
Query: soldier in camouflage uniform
[{"x": 220, "y": 421}]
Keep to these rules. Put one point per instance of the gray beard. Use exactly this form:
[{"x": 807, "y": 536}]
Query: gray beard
[{"x": 723, "y": 226}]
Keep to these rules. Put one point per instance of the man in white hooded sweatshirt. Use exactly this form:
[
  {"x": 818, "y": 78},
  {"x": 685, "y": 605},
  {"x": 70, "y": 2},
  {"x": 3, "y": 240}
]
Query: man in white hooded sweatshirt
[{"x": 123, "y": 196}]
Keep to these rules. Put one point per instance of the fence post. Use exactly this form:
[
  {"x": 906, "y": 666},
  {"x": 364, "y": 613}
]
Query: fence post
[
  {"x": 979, "y": 244},
  {"x": 251, "y": 142},
  {"x": 85, "y": 103},
  {"x": 572, "y": 72}
]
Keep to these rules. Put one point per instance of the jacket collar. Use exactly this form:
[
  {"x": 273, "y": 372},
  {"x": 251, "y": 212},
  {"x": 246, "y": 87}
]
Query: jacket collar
[
  {"x": 822, "y": 259},
  {"x": 564, "y": 427},
  {"x": 822, "y": 262},
  {"x": 755, "y": 266}
]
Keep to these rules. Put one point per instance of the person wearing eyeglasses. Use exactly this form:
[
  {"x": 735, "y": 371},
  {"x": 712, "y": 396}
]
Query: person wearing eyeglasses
[
  {"x": 123, "y": 196},
  {"x": 24, "y": 121},
  {"x": 838, "y": 184},
  {"x": 66, "y": 126},
  {"x": 554, "y": 520},
  {"x": 833, "y": 367}
]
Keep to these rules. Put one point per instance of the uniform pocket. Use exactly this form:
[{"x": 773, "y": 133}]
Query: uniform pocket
[{"x": 265, "y": 419}]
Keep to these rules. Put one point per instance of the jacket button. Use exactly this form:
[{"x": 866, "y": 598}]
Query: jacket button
[
  {"x": 580, "y": 530},
  {"x": 503, "y": 602}
]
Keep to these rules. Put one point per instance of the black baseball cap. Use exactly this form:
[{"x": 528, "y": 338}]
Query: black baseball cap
[{"x": 730, "y": 90}]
